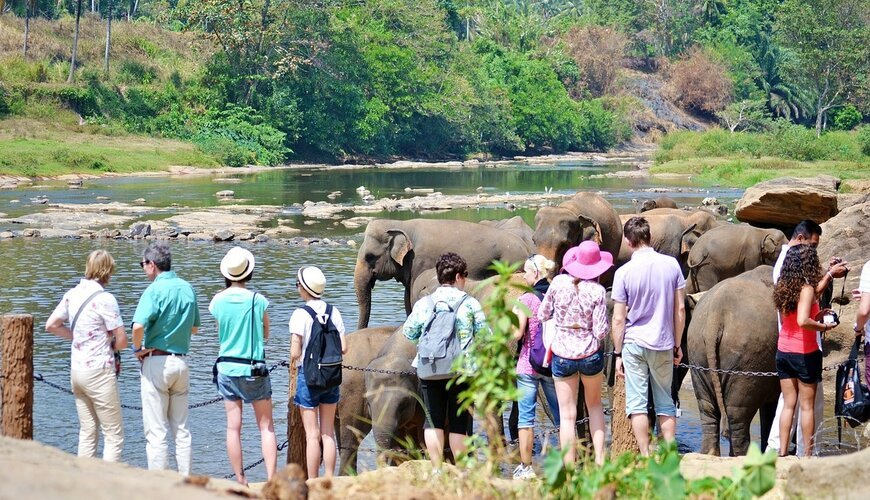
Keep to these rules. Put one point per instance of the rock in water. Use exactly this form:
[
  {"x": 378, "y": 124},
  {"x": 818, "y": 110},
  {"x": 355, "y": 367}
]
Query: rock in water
[
  {"x": 224, "y": 235},
  {"x": 287, "y": 484},
  {"x": 788, "y": 200},
  {"x": 226, "y": 193},
  {"x": 140, "y": 229}
]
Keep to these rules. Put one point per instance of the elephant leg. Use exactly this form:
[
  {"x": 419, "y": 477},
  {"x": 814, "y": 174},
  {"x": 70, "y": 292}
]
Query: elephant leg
[
  {"x": 350, "y": 435},
  {"x": 766, "y": 414},
  {"x": 709, "y": 412},
  {"x": 739, "y": 420}
]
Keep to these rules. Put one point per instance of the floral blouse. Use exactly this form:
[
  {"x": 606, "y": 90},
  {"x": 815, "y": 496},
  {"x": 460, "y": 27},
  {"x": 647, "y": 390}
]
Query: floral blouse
[
  {"x": 580, "y": 313},
  {"x": 91, "y": 343}
]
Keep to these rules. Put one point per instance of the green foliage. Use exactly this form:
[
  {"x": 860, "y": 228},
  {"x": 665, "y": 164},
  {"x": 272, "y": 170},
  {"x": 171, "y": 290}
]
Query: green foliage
[
  {"x": 864, "y": 139},
  {"x": 847, "y": 117},
  {"x": 134, "y": 72},
  {"x": 5, "y": 107},
  {"x": 237, "y": 136},
  {"x": 658, "y": 476}
]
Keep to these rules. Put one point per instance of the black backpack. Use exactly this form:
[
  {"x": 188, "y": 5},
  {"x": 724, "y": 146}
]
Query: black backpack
[
  {"x": 322, "y": 362},
  {"x": 852, "y": 401}
]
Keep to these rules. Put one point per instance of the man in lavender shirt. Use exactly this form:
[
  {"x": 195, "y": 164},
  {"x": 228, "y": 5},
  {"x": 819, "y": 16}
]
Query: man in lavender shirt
[{"x": 648, "y": 318}]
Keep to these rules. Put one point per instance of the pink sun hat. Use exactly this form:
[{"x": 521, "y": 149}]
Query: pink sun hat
[{"x": 586, "y": 261}]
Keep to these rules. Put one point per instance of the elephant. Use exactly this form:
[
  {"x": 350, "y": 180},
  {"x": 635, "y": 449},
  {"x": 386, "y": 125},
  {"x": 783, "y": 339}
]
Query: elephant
[
  {"x": 668, "y": 236},
  {"x": 401, "y": 250},
  {"x": 517, "y": 226},
  {"x": 702, "y": 219},
  {"x": 660, "y": 202},
  {"x": 585, "y": 216},
  {"x": 351, "y": 417},
  {"x": 392, "y": 394},
  {"x": 729, "y": 250},
  {"x": 734, "y": 327}
]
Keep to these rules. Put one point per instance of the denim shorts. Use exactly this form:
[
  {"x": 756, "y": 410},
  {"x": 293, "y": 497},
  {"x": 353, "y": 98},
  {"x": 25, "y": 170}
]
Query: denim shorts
[
  {"x": 310, "y": 398},
  {"x": 247, "y": 389},
  {"x": 805, "y": 367},
  {"x": 588, "y": 366},
  {"x": 528, "y": 402},
  {"x": 644, "y": 367}
]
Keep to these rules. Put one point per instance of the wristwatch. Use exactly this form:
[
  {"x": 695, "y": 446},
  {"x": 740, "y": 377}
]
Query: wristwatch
[{"x": 617, "y": 354}]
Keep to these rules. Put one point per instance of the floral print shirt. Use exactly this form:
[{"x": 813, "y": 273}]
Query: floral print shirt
[
  {"x": 91, "y": 343},
  {"x": 580, "y": 313},
  {"x": 470, "y": 319}
]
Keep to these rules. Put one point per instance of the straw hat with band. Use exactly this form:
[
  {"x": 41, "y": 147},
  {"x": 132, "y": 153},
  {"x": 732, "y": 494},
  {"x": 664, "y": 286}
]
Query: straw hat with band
[
  {"x": 586, "y": 261},
  {"x": 312, "y": 280},
  {"x": 237, "y": 264}
]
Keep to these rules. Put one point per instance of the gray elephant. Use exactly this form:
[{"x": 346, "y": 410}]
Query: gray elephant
[
  {"x": 729, "y": 250},
  {"x": 701, "y": 219},
  {"x": 517, "y": 226},
  {"x": 734, "y": 328},
  {"x": 585, "y": 216},
  {"x": 668, "y": 236},
  {"x": 401, "y": 250},
  {"x": 427, "y": 282},
  {"x": 351, "y": 417},
  {"x": 392, "y": 394},
  {"x": 660, "y": 202}
]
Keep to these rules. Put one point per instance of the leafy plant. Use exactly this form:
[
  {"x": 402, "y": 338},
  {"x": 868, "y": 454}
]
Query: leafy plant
[{"x": 847, "y": 117}]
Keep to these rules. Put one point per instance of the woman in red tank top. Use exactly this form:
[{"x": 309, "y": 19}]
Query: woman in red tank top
[{"x": 798, "y": 354}]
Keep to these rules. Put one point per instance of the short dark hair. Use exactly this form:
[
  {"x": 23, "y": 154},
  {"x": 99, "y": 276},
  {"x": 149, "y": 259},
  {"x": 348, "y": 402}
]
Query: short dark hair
[
  {"x": 807, "y": 229},
  {"x": 158, "y": 254},
  {"x": 448, "y": 266},
  {"x": 636, "y": 231},
  {"x": 228, "y": 283}
]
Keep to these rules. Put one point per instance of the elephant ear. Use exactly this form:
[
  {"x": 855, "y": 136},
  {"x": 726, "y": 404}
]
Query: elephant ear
[
  {"x": 587, "y": 221},
  {"x": 688, "y": 239},
  {"x": 768, "y": 249},
  {"x": 400, "y": 245}
]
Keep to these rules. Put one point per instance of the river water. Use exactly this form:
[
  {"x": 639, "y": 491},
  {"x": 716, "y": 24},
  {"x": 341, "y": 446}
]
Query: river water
[{"x": 38, "y": 271}]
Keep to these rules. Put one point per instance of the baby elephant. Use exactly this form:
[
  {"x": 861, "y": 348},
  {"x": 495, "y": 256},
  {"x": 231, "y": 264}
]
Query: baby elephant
[{"x": 660, "y": 202}]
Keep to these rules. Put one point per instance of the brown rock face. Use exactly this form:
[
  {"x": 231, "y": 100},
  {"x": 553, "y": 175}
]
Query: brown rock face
[
  {"x": 785, "y": 201},
  {"x": 287, "y": 484},
  {"x": 830, "y": 477}
]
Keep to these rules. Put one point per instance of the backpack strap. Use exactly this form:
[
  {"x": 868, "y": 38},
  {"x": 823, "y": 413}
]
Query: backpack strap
[
  {"x": 72, "y": 327},
  {"x": 311, "y": 312}
]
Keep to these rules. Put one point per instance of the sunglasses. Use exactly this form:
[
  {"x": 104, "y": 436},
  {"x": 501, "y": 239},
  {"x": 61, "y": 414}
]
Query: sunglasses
[{"x": 142, "y": 263}]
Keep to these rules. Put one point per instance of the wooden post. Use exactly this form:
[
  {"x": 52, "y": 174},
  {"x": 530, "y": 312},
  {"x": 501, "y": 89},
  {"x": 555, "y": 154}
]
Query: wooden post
[
  {"x": 295, "y": 430},
  {"x": 16, "y": 373},
  {"x": 622, "y": 437}
]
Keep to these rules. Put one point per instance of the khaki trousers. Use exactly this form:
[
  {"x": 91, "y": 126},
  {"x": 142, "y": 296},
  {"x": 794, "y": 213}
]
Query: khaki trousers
[{"x": 98, "y": 404}]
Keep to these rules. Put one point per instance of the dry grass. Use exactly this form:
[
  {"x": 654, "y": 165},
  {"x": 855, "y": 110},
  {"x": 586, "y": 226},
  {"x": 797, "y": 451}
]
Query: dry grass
[{"x": 51, "y": 44}]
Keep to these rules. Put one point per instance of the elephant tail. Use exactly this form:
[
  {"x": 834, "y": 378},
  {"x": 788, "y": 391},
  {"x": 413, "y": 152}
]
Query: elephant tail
[
  {"x": 694, "y": 266},
  {"x": 712, "y": 348}
]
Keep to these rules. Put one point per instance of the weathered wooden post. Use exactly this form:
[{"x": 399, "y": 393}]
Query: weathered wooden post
[
  {"x": 622, "y": 437},
  {"x": 16, "y": 373},
  {"x": 295, "y": 430}
]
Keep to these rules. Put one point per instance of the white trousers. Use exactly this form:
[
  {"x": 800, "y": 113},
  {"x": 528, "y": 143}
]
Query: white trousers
[
  {"x": 98, "y": 404},
  {"x": 165, "y": 390},
  {"x": 819, "y": 414}
]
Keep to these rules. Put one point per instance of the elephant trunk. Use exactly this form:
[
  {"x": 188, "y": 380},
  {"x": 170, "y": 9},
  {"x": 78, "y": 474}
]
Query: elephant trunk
[{"x": 363, "y": 282}]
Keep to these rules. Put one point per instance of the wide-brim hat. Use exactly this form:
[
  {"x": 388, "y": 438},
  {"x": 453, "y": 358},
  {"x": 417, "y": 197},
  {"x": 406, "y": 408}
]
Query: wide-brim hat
[
  {"x": 586, "y": 261},
  {"x": 237, "y": 264},
  {"x": 312, "y": 280}
]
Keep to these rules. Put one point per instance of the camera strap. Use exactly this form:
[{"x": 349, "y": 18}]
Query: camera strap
[{"x": 242, "y": 361}]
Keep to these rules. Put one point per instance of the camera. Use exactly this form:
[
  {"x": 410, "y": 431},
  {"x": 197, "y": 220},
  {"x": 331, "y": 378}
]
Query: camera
[
  {"x": 831, "y": 317},
  {"x": 259, "y": 370}
]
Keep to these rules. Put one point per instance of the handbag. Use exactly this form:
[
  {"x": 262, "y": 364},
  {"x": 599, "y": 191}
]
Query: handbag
[{"x": 852, "y": 401}]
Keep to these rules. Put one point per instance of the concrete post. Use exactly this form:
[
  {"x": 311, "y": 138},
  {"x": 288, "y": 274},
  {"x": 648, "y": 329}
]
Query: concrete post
[
  {"x": 17, "y": 375},
  {"x": 295, "y": 430}
]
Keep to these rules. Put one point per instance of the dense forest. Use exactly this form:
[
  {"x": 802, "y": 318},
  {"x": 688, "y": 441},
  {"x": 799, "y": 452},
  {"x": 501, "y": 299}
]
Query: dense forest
[{"x": 267, "y": 81}]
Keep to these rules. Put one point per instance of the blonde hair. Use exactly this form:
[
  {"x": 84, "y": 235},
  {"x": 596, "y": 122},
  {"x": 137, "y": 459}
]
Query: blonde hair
[
  {"x": 100, "y": 266},
  {"x": 541, "y": 265}
]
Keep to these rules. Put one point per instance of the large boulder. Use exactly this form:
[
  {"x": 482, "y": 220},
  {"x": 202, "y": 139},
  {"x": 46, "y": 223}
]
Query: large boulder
[
  {"x": 848, "y": 236},
  {"x": 785, "y": 201}
]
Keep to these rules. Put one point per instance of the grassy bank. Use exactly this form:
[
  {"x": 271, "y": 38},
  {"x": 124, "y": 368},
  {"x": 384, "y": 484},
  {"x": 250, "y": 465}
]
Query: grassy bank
[
  {"x": 34, "y": 148},
  {"x": 742, "y": 159}
]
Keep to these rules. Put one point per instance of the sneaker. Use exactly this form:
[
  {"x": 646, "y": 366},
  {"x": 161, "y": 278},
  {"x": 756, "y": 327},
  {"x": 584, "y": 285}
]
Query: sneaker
[{"x": 524, "y": 472}]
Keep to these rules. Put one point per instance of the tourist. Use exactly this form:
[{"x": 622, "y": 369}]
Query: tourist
[
  {"x": 648, "y": 318},
  {"x": 535, "y": 272},
  {"x": 806, "y": 232},
  {"x": 798, "y": 355},
  {"x": 165, "y": 319},
  {"x": 441, "y": 397},
  {"x": 97, "y": 333},
  {"x": 241, "y": 374},
  {"x": 862, "y": 325},
  {"x": 317, "y": 405},
  {"x": 578, "y": 304}
]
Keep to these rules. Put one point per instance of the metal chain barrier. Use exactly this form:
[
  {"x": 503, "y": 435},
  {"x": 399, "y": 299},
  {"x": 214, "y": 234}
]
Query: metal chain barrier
[{"x": 281, "y": 447}]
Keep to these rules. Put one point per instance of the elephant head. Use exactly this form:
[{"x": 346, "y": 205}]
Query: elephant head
[
  {"x": 557, "y": 229},
  {"x": 382, "y": 256},
  {"x": 771, "y": 245}
]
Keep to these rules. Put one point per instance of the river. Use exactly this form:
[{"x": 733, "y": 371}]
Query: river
[{"x": 38, "y": 271}]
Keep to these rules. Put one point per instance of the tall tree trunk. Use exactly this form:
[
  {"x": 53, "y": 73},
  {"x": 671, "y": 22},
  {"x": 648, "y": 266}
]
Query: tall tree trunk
[
  {"x": 26, "y": 25},
  {"x": 75, "y": 47},
  {"x": 108, "y": 36}
]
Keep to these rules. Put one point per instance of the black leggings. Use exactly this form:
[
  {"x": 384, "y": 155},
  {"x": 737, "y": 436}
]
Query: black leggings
[{"x": 442, "y": 405}]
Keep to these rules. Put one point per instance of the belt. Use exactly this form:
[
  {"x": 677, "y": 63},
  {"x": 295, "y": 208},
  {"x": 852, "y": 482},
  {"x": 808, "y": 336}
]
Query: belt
[{"x": 161, "y": 352}]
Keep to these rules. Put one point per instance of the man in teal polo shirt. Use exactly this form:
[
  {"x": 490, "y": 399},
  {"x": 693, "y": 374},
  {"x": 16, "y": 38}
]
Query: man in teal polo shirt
[{"x": 165, "y": 319}]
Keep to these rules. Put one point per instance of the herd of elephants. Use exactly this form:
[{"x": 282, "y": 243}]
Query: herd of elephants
[{"x": 734, "y": 320}]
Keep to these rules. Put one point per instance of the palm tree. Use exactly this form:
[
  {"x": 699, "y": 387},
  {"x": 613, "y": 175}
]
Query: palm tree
[
  {"x": 29, "y": 7},
  {"x": 784, "y": 98}
]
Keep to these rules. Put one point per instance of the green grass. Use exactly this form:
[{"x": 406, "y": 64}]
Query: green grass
[
  {"x": 743, "y": 159},
  {"x": 32, "y": 148}
]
